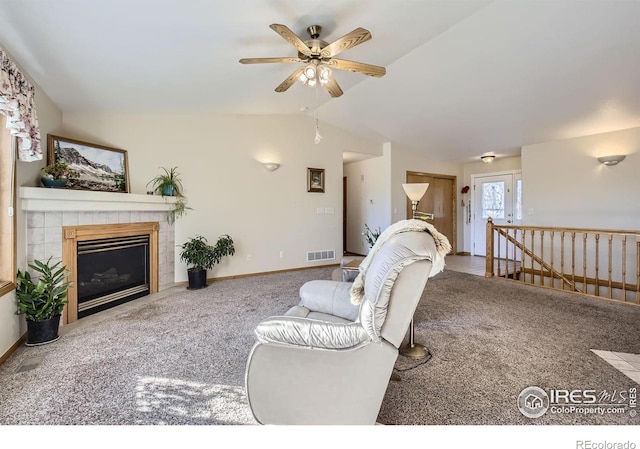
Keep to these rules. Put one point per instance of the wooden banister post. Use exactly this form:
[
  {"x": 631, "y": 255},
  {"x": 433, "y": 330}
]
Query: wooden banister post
[{"x": 489, "y": 254}]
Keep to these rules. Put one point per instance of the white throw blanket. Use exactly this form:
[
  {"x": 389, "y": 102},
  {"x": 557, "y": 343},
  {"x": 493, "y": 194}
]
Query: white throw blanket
[{"x": 442, "y": 249}]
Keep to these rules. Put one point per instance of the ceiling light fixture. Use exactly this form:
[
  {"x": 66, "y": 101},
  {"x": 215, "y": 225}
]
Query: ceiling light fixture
[
  {"x": 315, "y": 73},
  {"x": 488, "y": 158},
  {"x": 611, "y": 160}
]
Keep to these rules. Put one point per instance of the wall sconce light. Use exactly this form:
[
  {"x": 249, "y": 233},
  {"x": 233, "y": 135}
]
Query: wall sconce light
[
  {"x": 271, "y": 166},
  {"x": 487, "y": 158},
  {"x": 611, "y": 160}
]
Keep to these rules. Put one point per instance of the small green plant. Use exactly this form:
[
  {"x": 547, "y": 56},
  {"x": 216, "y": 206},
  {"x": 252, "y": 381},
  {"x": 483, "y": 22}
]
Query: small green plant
[
  {"x": 168, "y": 183},
  {"x": 43, "y": 298},
  {"x": 371, "y": 236},
  {"x": 59, "y": 170},
  {"x": 199, "y": 255}
]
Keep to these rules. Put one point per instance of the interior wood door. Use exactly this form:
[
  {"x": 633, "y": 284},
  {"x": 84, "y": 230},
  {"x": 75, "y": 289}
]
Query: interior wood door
[
  {"x": 344, "y": 214},
  {"x": 439, "y": 200}
]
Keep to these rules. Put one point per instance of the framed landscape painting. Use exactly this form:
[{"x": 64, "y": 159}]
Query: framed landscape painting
[{"x": 97, "y": 167}]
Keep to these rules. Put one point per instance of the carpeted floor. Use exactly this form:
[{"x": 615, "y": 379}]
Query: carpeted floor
[{"x": 178, "y": 357}]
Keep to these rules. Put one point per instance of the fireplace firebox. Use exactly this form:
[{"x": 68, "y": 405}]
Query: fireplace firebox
[{"x": 111, "y": 271}]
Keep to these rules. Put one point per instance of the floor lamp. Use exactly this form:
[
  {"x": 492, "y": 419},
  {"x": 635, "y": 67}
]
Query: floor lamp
[{"x": 415, "y": 192}]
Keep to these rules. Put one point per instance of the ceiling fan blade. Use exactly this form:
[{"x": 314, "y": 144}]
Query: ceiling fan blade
[
  {"x": 349, "y": 40},
  {"x": 357, "y": 67},
  {"x": 290, "y": 81},
  {"x": 264, "y": 60},
  {"x": 333, "y": 88},
  {"x": 291, "y": 37}
]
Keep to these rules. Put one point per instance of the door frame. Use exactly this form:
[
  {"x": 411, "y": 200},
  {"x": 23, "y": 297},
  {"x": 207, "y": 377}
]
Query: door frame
[
  {"x": 454, "y": 202},
  {"x": 472, "y": 230}
]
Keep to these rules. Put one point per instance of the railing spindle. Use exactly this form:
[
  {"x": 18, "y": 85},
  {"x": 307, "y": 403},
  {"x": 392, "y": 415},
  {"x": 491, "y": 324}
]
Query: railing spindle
[
  {"x": 597, "y": 287},
  {"x": 637, "y": 270},
  {"x": 533, "y": 277},
  {"x": 541, "y": 257},
  {"x": 553, "y": 282},
  {"x": 624, "y": 267},
  {"x": 562, "y": 257},
  {"x": 523, "y": 235},
  {"x": 610, "y": 267},
  {"x": 573, "y": 259},
  {"x": 515, "y": 269},
  {"x": 584, "y": 261},
  {"x": 499, "y": 261}
]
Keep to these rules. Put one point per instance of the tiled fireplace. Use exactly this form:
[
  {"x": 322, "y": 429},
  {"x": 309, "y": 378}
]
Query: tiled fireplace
[{"x": 55, "y": 216}]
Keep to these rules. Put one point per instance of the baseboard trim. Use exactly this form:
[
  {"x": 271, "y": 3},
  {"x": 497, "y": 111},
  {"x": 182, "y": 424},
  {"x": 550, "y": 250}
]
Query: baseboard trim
[
  {"x": 13, "y": 348},
  {"x": 463, "y": 253},
  {"x": 262, "y": 273}
]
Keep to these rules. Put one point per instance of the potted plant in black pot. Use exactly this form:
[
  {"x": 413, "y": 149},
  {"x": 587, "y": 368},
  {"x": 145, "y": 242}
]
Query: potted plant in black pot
[
  {"x": 42, "y": 299},
  {"x": 200, "y": 257}
]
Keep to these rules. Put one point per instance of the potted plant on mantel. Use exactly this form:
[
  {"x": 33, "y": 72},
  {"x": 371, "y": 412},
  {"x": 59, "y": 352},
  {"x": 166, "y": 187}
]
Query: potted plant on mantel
[
  {"x": 200, "y": 257},
  {"x": 57, "y": 174},
  {"x": 41, "y": 300},
  {"x": 169, "y": 183}
]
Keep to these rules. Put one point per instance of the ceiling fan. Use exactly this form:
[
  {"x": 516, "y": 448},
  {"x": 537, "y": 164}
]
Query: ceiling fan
[{"x": 318, "y": 58}]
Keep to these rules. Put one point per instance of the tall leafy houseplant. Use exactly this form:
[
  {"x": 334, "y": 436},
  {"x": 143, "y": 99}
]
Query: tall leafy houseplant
[
  {"x": 200, "y": 256},
  {"x": 42, "y": 299},
  {"x": 169, "y": 183},
  {"x": 371, "y": 236}
]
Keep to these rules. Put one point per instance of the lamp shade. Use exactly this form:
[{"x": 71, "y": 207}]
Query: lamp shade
[{"x": 415, "y": 191}]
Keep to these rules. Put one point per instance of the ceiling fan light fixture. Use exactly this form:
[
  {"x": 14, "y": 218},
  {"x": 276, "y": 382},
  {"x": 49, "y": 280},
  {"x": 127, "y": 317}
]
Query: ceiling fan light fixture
[
  {"x": 315, "y": 73},
  {"x": 324, "y": 74},
  {"x": 310, "y": 72}
]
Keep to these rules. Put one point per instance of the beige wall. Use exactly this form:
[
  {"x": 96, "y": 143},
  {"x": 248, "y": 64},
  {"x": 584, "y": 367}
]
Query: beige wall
[
  {"x": 12, "y": 326},
  {"x": 219, "y": 158},
  {"x": 563, "y": 184},
  {"x": 368, "y": 198}
]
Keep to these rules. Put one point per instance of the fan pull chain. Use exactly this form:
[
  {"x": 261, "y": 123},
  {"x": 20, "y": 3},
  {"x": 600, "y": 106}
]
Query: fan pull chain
[{"x": 318, "y": 136}]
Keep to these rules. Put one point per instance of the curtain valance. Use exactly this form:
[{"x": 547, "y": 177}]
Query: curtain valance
[{"x": 18, "y": 104}]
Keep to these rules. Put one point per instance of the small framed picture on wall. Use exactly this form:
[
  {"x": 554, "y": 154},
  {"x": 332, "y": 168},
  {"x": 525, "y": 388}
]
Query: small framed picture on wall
[{"x": 315, "y": 180}]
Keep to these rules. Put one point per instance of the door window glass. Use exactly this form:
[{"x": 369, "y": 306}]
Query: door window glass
[
  {"x": 519, "y": 199},
  {"x": 493, "y": 199}
]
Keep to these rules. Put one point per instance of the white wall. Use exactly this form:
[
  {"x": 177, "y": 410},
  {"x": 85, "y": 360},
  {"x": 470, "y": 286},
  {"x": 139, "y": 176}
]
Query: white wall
[
  {"x": 403, "y": 160},
  {"x": 12, "y": 326},
  {"x": 563, "y": 184},
  {"x": 368, "y": 198},
  {"x": 219, "y": 158}
]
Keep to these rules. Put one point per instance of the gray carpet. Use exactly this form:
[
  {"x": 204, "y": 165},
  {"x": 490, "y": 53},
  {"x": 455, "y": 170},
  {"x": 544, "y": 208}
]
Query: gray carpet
[{"x": 180, "y": 358}]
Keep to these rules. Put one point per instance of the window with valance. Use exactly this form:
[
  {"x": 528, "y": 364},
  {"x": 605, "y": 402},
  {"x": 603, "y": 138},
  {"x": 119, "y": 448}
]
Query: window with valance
[{"x": 17, "y": 103}]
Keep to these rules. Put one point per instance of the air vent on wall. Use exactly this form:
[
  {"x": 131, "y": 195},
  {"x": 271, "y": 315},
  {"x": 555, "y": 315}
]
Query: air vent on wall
[{"x": 314, "y": 256}]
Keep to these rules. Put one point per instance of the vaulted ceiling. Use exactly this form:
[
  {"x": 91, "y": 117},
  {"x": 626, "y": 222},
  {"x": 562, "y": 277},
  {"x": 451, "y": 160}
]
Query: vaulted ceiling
[{"x": 464, "y": 77}]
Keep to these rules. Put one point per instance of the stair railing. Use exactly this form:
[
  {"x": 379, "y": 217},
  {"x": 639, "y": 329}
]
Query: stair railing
[{"x": 604, "y": 263}]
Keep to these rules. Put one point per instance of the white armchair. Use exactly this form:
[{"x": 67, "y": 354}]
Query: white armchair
[{"x": 327, "y": 361}]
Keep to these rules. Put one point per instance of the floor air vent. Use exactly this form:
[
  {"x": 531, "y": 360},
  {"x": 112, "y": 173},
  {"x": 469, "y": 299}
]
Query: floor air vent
[{"x": 314, "y": 256}]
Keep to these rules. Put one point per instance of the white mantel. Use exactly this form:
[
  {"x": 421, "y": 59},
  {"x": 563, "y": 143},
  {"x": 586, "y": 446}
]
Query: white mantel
[
  {"x": 48, "y": 210},
  {"x": 60, "y": 200}
]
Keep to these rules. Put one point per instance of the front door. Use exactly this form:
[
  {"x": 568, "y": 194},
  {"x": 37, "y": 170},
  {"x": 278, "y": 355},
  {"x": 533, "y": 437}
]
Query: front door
[{"x": 498, "y": 197}]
